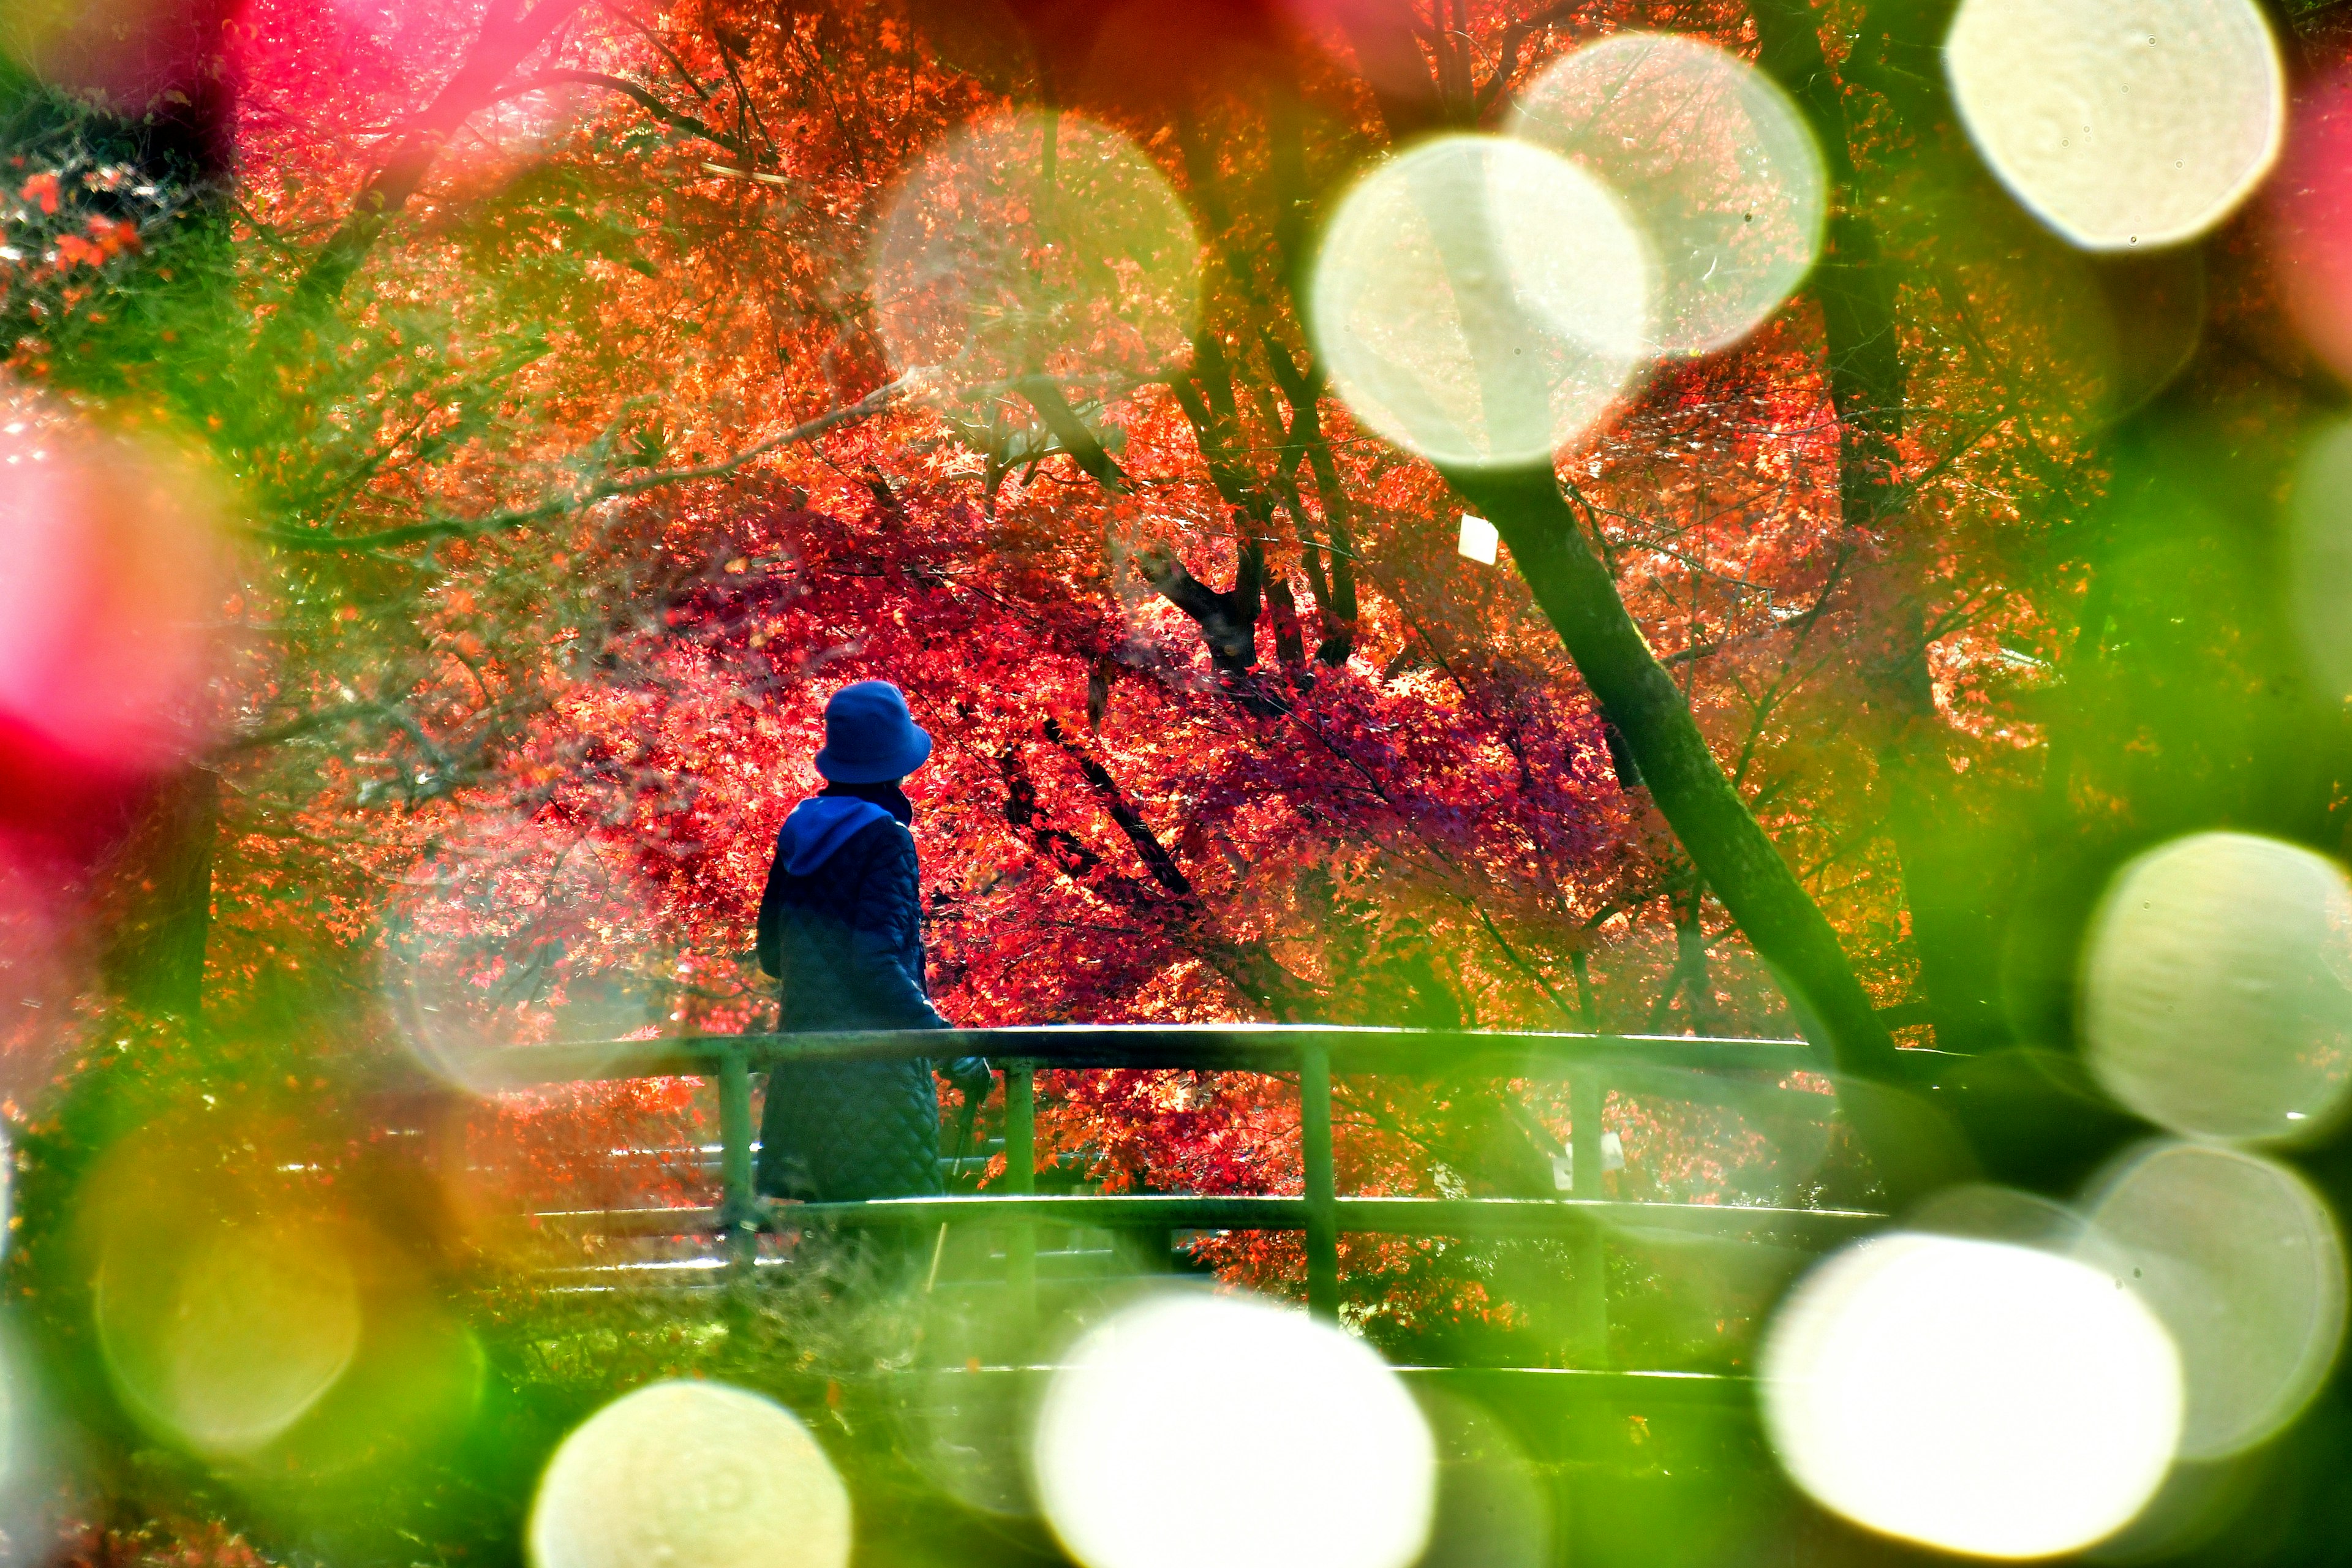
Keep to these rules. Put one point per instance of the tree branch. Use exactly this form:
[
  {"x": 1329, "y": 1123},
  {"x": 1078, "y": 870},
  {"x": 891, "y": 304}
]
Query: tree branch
[
  {"x": 696, "y": 88},
  {"x": 1044, "y": 395},
  {"x": 1155, "y": 858},
  {"x": 1228, "y": 620},
  {"x": 1248, "y": 963},
  {"x": 1515, "y": 38},
  {"x": 873, "y": 403},
  {"x": 507, "y": 38},
  {"x": 674, "y": 119}
]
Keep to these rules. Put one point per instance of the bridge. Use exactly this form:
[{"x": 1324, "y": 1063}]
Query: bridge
[{"x": 1740, "y": 1074}]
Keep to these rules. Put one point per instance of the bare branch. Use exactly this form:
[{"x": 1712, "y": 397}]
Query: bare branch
[
  {"x": 676, "y": 120},
  {"x": 873, "y": 403}
]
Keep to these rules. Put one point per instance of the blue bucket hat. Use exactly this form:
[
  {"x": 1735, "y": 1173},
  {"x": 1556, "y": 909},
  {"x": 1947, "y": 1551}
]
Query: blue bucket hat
[{"x": 870, "y": 736}]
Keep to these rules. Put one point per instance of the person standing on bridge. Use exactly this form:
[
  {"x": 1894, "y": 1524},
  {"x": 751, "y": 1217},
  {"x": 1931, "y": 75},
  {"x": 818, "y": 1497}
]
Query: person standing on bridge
[{"x": 841, "y": 928}]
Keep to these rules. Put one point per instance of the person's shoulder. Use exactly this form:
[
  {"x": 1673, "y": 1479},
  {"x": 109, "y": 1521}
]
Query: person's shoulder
[
  {"x": 880, "y": 859},
  {"x": 886, "y": 836}
]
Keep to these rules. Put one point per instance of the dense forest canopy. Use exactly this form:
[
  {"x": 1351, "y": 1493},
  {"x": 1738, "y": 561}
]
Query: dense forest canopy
[{"x": 453, "y": 447}]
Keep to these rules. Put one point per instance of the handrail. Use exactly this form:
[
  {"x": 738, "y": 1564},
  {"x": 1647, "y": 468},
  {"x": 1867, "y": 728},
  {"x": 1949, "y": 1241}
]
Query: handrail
[
  {"x": 1517, "y": 1218},
  {"x": 1216, "y": 1048},
  {"x": 1314, "y": 1052}
]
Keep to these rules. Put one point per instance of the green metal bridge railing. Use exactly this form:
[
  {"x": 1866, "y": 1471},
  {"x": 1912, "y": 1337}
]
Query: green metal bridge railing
[{"x": 1591, "y": 1065}]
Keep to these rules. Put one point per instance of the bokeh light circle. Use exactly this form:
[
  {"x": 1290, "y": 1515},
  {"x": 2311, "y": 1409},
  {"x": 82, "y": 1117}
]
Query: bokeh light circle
[
  {"x": 2242, "y": 1263},
  {"x": 1712, "y": 160},
  {"x": 519, "y": 931},
  {"x": 2121, "y": 122},
  {"x": 1194, "y": 1428},
  {"x": 223, "y": 1335},
  {"x": 2311, "y": 213},
  {"x": 1036, "y": 243},
  {"x": 2214, "y": 997},
  {"x": 1480, "y": 300},
  {"x": 691, "y": 1473},
  {"x": 35, "y": 1453},
  {"x": 117, "y": 572},
  {"x": 1975, "y": 1396}
]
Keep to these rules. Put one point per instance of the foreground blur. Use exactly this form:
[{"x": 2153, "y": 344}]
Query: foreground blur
[{"x": 1481, "y": 520}]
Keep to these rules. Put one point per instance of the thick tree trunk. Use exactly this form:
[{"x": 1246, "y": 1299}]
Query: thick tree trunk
[
  {"x": 1722, "y": 837},
  {"x": 160, "y": 894},
  {"x": 1953, "y": 876}
]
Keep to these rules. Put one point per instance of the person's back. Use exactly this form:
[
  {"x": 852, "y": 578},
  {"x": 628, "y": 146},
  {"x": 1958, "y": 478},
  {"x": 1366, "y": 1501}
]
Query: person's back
[{"x": 841, "y": 927}]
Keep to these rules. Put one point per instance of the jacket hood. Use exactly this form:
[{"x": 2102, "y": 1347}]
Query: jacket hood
[{"x": 819, "y": 826}]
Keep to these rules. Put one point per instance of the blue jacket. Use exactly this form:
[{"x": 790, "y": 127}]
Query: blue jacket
[
  {"x": 841, "y": 927},
  {"x": 841, "y": 921}
]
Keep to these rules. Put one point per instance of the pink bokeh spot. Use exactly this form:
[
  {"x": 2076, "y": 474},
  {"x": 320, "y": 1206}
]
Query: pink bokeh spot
[
  {"x": 2310, "y": 203},
  {"x": 111, "y": 577}
]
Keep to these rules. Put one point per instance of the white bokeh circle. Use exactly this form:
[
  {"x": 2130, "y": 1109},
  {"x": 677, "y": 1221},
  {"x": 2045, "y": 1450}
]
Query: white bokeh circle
[
  {"x": 521, "y": 931},
  {"x": 2214, "y": 996},
  {"x": 1195, "y": 1428},
  {"x": 691, "y": 1472},
  {"x": 1977, "y": 1396},
  {"x": 1479, "y": 300},
  {"x": 1035, "y": 242},
  {"x": 1712, "y": 160},
  {"x": 2242, "y": 1261},
  {"x": 2121, "y": 123}
]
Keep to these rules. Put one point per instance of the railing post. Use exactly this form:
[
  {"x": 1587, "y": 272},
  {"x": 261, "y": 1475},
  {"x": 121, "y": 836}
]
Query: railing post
[
  {"x": 738, "y": 1211},
  {"x": 1588, "y": 1285},
  {"x": 1021, "y": 1178},
  {"x": 1321, "y": 1184}
]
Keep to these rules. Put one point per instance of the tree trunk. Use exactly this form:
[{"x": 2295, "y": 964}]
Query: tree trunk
[
  {"x": 1722, "y": 837},
  {"x": 161, "y": 897},
  {"x": 1953, "y": 876}
]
